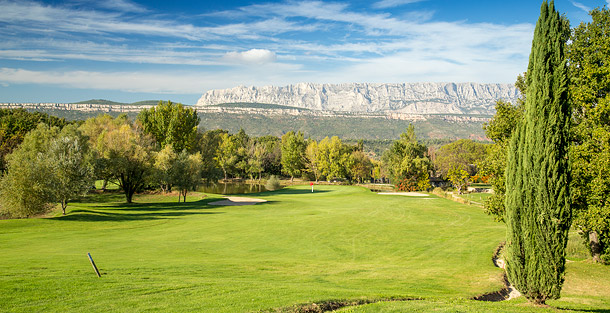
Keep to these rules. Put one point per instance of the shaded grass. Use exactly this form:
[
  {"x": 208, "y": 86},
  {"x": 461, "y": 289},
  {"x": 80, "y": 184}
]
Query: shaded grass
[{"x": 337, "y": 243}]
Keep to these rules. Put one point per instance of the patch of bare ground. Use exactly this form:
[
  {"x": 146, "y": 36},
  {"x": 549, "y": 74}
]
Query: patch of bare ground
[
  {"x": 332, "y": 305},
  {"x": 506, "y": 293}
]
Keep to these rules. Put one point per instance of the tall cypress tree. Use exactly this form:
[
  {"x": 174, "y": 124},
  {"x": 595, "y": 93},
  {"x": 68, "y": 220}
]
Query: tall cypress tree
[{"x": 537, "y": 203}]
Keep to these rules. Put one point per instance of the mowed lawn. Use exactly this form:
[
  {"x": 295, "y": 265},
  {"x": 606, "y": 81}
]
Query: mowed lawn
[{"x": 300, "y": 247}]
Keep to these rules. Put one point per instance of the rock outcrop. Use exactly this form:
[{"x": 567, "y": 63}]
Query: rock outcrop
[{"x": 409, "y": 98}]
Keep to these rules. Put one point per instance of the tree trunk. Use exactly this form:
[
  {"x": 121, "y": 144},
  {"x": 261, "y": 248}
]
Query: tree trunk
[
  {"x": 104, "y": 184},
  {"x": 128, "y": 196},
  {"x": 64, "y": 204},
  {"x": 595, "y": 246}
]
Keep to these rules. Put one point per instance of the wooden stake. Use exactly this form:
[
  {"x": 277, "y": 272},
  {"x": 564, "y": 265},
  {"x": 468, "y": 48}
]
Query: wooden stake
[{"x": 93, "y": 264}]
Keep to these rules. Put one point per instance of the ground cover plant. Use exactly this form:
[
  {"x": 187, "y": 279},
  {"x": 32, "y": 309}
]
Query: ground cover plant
[{"x": 340, "y": 242}]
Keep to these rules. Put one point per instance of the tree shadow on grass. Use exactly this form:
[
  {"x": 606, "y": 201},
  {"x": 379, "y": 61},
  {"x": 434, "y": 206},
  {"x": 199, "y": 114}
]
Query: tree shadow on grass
[
  {"x": 153, "y": 206},
  {"x": 84, "y": 215},
  {"x": 290, "y": 191},
  {"x": 102, "y": 197},
  {"x": 138, "y": 211}
]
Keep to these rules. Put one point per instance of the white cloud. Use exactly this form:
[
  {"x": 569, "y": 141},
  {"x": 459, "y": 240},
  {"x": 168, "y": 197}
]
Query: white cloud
[
  {"x": 124, "y": 81},
  {"x": 252, "y": 56},
  {"x": 164, "y": 82},
  {"x": 581, "y": 6},
  {"x": 384, "y": 4},
  {"x": 33, "y": 17},
  {"x": 121, "y": 5},
  {"x": 350, "y": 46}
]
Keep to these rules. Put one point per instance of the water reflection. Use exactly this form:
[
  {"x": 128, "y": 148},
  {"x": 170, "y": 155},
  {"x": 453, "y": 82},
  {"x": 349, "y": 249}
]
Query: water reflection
[{"x": 231, "y": 188}]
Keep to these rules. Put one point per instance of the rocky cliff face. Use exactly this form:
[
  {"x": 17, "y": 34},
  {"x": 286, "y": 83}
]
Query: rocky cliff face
[{"x": 412, "y": 98}]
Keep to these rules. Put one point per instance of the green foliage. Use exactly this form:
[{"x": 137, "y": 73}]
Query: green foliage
[
  {"x": 16, "y": 123},
  {"x": 502, "y": 125},
  {"x": 537, "y": 177},
  {"x": 311, "y": 158},
  {"x": 164, "y": 167},
  {"x": 187, "y": 172},
  {"x": 171, "y": 123},
  {"x": 407, "y": 160},
  {"x": 273, "y": 183},
  {"x": 589, "y": 56},
  {"x": 124, "y": 152},
  {"x": 361, "y": 166},
  {"x": 464, "y": 154},
  {"x": 345, "y": 127},
  {"x": 272, "y": 156},
  {"x": 26, "y": 189},
  {"x": 226, "y": 153},
  {"x": 208, "y": 144},
  {"x": 50, "y": 166},
  {"x": 459, "y": 177},
  {"x": 331, "y": 158},
  {"x": 71, "y": 169},
  {"x": 499, "y": 129},
  {"x": 293, "y": 153}
]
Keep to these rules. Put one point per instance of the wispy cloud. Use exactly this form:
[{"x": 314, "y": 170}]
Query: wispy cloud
[
  {"x": 121, "y": 5},
  {"x": 582, "y": 6},
  {"x": 384, "y": 4},
  {"x": 288, "y": 42}
]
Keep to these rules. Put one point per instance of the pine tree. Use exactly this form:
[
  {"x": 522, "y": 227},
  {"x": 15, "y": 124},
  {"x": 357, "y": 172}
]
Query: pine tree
[{"x": 538, "y": 212}]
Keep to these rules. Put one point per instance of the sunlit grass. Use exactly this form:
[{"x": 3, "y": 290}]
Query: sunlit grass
[{"x": 337, "y": 243}]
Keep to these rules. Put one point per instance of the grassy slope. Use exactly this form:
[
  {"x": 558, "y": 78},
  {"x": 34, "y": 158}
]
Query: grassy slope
[{"x": 341, "y": 242}]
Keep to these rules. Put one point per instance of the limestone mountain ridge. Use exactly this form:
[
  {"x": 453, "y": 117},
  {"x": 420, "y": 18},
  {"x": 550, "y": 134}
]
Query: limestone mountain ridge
[{"x": 409, "y": 98}]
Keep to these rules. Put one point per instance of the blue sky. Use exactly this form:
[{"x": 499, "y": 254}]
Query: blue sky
[{"x": 129, "y": 50}]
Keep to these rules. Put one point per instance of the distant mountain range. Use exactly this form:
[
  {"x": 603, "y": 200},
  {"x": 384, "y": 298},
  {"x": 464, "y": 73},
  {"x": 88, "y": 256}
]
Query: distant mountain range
[
  {"x": 406, "y": 98},
  {"x": 350, "y": 111}
]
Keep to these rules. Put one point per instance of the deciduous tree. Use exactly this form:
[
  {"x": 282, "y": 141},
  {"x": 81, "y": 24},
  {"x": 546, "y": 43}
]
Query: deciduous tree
[
  {"x": 171, "y": 123},
  {"x": 186, "y": 172},
  {"x": 589, "y": 58},
  {"x": 407, "y": 162},
  {"x": 26, "y": 189},
  {"x": 70, "y": 164},
  {"x": 293, "y": 154},
  {"x": 499, "y": 129},
  {"x": 127, "y": 154},
  {"x": 226, "y": 154}
]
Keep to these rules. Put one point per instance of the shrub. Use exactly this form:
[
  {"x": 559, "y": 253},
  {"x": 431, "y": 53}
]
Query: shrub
[{"x": 273, "y": 183}]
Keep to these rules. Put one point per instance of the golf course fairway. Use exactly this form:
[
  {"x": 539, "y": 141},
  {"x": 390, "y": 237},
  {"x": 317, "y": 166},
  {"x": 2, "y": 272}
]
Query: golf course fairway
[{"x": 299, "y": 247}]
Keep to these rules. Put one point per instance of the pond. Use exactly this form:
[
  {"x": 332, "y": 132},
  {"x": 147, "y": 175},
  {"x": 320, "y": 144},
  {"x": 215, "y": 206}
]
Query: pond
[{"x": 231, "y": 188}]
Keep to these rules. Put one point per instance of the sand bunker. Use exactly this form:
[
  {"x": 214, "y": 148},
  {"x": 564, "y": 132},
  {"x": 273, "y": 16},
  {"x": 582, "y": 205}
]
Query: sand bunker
[
  {"x": 410, "y": 194},
  {"x": 238, "y": 201}
]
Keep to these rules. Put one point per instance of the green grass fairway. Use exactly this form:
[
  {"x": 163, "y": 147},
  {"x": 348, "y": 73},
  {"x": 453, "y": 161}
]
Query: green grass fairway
[{"x": 337, "y": 243}]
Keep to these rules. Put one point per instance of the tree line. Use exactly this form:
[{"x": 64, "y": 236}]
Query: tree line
[{"x": 49, "y": 160}]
